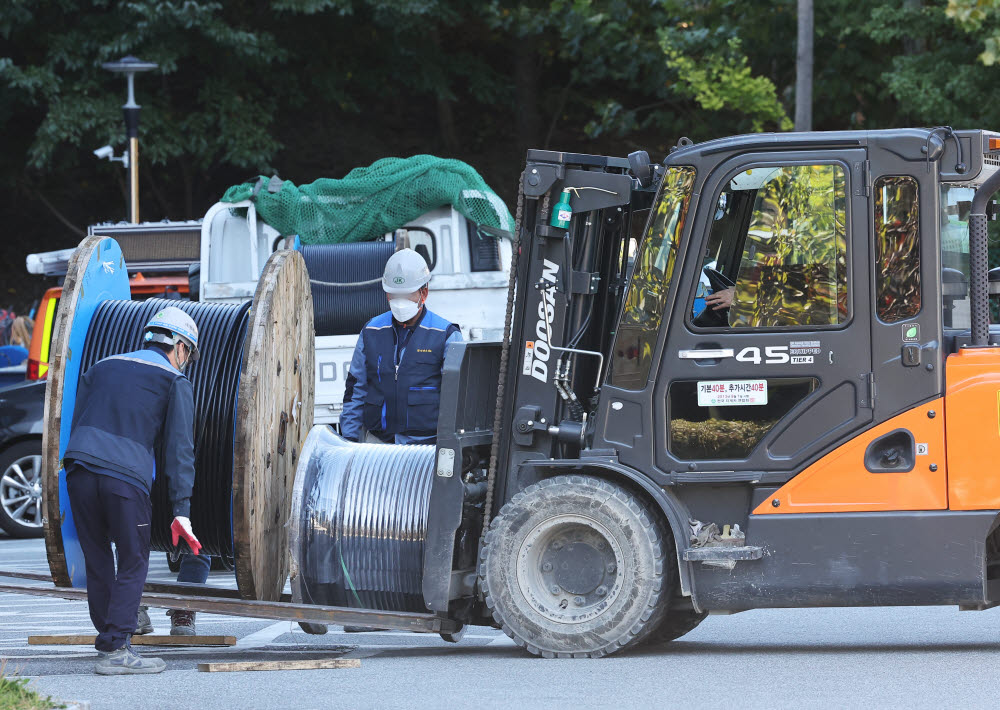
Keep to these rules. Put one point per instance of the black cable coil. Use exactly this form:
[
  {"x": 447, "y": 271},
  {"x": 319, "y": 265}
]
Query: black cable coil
[
  {"x": 361, "y": 523},
  {"x": 117, "y": 328},
  {"x": 344, "y": 310}
]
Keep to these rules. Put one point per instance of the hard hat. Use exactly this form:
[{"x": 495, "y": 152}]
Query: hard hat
[
  {"x": 179, "y": 323},
  {"x": 405, "y": 272}
]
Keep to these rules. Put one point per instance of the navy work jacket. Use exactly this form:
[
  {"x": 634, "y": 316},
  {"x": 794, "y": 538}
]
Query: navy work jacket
[
  {"x": 129, "y": 408},
  {"x": 399, "y": 383}
]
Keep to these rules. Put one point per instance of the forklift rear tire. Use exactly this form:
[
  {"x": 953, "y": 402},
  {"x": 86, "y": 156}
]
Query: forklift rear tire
[
  {"x": 674, "y": 625},
  {"x": 576, "y": 567}
]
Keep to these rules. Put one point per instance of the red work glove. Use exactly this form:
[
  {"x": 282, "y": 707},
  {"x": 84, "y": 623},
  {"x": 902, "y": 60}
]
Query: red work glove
[{"x": 181, "y": 528}]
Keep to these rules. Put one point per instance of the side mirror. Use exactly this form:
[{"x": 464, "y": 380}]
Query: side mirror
[{"x": 640, "y": 166}]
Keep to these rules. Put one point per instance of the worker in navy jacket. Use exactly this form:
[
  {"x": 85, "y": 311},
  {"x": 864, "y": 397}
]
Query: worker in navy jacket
[
  {"x": 128, "y": 409},
  {"x": 397, "y": 363}
]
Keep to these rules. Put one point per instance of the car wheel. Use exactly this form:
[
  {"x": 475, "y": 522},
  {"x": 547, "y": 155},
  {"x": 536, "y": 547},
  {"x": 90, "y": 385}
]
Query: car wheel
[{"x": 21, "y": 489}]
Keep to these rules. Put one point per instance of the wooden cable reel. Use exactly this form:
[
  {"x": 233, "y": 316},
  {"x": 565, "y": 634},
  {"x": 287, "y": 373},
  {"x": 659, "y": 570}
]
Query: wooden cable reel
[{"x": 274, "y": 408}]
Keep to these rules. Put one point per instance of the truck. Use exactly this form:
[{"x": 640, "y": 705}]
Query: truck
[
  {"x": 469, "y": 274},
  {"x": 628, "y": 460}
]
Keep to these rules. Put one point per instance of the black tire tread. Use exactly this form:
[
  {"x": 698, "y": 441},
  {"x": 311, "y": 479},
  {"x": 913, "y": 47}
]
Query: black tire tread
[
  {"x": 675, "y": 624},
  {"x": 660, "y": 540}
]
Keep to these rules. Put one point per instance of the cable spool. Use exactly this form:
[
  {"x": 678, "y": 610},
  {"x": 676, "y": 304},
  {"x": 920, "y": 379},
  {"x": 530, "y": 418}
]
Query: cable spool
[
  {"x": 357, "y": 267},
  {"x": 359, "y": 522},
  {"x": 253, "y": 402}
]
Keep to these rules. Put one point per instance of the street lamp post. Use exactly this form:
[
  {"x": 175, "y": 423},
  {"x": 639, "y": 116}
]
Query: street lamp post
[{"x": 130, "y": 66}]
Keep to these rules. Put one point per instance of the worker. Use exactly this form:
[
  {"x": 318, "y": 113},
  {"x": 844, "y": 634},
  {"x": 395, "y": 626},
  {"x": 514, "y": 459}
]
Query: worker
[
  {"x": 397, "y": 363},
  {"x": 129, "y": 408}
]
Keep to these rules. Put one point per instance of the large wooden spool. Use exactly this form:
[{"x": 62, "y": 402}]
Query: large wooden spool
[{"x": 273, "y": 416}]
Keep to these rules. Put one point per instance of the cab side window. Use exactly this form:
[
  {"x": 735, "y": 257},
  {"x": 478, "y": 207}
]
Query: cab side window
[
  {"x": 897, "y": 249},
  {"x": 777, "y": 253}
]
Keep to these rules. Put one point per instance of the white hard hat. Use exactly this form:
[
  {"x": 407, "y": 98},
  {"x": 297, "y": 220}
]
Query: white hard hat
[
  {"x": 405, "y": 272},
  {"x": 179, "y": 323}
]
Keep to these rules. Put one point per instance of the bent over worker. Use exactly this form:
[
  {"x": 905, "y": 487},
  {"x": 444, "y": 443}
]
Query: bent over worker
[
  {"x": 129, "y": 408},
  {"x": 397, "y": 363}
]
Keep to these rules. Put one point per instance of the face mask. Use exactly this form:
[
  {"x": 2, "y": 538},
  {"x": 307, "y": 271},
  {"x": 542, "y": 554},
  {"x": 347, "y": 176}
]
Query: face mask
[{"x": 403, "y": 309}]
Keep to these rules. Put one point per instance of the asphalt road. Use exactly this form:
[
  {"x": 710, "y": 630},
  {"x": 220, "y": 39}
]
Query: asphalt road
[{"x": 818, "y": 658}]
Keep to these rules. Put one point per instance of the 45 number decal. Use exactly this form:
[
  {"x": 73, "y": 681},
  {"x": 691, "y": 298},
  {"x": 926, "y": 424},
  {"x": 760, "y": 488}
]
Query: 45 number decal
[{"x": 773, "y": 355}]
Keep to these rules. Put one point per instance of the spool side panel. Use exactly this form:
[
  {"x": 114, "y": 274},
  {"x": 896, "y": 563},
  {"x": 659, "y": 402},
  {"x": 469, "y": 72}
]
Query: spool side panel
[
  {"x": 274, "y": 415},
  {"x": 96, "y": 273}
]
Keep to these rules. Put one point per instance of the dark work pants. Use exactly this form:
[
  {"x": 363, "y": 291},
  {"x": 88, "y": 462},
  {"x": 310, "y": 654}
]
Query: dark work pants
[
  {"x": 108, "y": 510},
  {"x": 194, "y": 568}
]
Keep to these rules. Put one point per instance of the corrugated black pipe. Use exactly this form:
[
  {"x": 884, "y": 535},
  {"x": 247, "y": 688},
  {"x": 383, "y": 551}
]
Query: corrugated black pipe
[{"x": 979, "y": 262}]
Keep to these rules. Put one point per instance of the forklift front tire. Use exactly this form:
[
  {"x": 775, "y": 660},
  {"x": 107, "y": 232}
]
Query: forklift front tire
[
  {"x": 676, "y": 624},
  {"x": 576, "y": 567}
]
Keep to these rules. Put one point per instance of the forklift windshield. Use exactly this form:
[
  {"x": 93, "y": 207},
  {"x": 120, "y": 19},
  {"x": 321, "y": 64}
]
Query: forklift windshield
[{"x": 652, "y": 275}]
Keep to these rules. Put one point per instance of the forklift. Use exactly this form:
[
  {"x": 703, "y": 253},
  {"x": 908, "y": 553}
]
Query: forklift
[{"x": 820, "y": 433}]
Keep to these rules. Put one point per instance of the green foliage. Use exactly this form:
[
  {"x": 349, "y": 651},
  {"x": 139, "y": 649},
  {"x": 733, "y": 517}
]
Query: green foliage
[
  {"x": 16, "y": 695},
  {"x": 979, "y": 17},
  {"x": 724, "y": 80}
]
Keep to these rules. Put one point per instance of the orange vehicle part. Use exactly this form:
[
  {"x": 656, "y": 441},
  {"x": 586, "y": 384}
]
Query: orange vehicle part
[
  {"x": 41, "y": 337},
  {"x": 972, "y": 401},
  {"x": 840, "y": 483}
]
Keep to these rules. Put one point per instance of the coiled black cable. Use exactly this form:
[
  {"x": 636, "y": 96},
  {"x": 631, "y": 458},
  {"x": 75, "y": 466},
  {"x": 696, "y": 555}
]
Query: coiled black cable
[
  {"x": 361, "y": 523},
  {"x": 116, "y": 328}
]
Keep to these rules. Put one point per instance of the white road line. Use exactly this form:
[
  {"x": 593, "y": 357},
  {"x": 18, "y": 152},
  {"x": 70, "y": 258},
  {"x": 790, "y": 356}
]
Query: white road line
[
  {"x": 502, "y": 640},
  {"x": 264, "y": 636}
]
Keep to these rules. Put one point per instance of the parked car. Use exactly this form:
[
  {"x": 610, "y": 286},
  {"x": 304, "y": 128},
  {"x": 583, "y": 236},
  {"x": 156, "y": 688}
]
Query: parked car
[{"x": 22, "y": 408}]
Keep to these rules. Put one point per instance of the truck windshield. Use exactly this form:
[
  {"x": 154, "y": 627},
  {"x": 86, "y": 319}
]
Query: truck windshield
[
  {"x": 956, "y": 201},
  {"x": 652, "y": 275}
]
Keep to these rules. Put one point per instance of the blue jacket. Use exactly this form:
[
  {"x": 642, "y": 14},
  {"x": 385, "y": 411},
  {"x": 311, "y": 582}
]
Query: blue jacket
[
  {"x": 128, "y": 408},
  {"x": 396, "y": 370}
]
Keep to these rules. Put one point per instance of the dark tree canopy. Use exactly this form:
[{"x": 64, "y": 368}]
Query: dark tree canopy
[{"x": 313, "y": 88}]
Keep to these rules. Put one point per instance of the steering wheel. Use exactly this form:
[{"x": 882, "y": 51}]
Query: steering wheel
[{"x": 718, "y": 280}]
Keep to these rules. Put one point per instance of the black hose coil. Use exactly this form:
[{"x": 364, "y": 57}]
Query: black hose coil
[{"x": 116, "y": 328}]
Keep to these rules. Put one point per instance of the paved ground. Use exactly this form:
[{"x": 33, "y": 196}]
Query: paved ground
[{"x": 819, "y": 658}]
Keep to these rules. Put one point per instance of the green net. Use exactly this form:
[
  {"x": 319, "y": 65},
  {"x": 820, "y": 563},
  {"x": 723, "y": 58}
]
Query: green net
[{"x": 372, "y": 201}]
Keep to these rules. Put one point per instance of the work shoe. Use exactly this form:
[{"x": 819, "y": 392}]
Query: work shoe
[
  {"x": 125, "y": 661},
  {"x": 143, "y": 624},
  {"x": 181, "y": 622}
]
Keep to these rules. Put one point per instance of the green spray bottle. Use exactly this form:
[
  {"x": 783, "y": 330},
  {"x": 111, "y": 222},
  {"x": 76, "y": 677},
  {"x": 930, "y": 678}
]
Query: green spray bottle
[{"x": 562, "y": 213}]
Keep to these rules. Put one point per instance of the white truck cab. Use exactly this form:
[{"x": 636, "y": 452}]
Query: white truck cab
[{"x": 469, "y": 275}]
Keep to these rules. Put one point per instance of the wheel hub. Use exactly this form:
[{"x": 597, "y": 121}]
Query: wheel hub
[
  {"x": 569, "y": 568},
  {"x": 21, "y": 491}
]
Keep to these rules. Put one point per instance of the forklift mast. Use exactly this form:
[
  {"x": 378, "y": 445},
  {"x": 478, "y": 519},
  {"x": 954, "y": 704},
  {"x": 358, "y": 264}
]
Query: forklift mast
[{"x": 570, "y": 285}]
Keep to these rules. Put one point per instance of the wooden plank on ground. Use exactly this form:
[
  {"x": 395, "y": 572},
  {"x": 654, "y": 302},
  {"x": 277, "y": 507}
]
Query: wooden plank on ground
[
  {"x": 318, "y": 664},
  {"x": 148, "y": 640}
]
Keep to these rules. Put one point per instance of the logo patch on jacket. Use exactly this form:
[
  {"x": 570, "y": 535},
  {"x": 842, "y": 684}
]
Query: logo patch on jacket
[{"x": 424, "y": 350}]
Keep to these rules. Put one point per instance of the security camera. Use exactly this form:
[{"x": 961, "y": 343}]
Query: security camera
[{"x": 109, "y": 153}]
